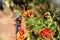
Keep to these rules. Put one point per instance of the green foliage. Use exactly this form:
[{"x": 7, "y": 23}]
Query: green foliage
[{"x": 32, "y": 21}]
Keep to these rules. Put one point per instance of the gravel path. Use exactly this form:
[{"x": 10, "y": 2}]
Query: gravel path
[{"x": 7, "y": 28}]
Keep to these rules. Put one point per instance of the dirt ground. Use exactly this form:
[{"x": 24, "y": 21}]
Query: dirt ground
[{"x": 7, "y": 27}]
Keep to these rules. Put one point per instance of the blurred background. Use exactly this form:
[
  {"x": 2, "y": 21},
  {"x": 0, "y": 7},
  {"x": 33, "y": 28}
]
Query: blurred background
[{"x": 29, "y": 19}]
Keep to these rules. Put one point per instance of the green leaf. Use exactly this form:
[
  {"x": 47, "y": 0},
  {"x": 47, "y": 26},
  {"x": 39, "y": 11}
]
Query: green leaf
[
  {"x": 53, "y": 28},
  {"x": 32, "y": 21}
]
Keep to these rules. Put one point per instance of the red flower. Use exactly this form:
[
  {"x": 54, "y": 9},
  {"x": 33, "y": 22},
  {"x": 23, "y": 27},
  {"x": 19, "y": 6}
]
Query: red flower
[
  {"x": 22, "y": 37},
  {"x": 45, "y": 32},
  {"x": 42, "y": 33},
  {"x": 21, "y": 31}
]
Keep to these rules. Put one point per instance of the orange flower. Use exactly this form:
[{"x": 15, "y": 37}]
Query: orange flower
[{"x": 27, "y": 13}]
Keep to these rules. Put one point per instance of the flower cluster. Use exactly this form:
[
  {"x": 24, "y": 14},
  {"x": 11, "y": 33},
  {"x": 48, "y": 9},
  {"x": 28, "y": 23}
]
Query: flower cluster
[
  {"x": 26, "y": 13},
  {"x": 45, "y": 32},
  {"x": 20, "y": 34}
]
